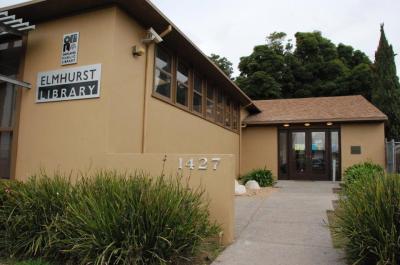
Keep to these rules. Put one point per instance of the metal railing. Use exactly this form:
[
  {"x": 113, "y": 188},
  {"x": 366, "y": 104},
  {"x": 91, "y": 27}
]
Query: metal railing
[{"x": 392, "y": 156}]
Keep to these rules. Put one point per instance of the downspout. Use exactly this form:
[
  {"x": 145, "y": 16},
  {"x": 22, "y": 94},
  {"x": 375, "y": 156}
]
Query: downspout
[
  {"x": 142, "y": 149},
  {"x": 242, "y": 125},
  {"x": 152, "y": 37}
]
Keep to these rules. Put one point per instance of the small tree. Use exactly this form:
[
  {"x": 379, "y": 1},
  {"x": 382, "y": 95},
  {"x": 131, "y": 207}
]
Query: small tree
[{"x": 386, "y": 91}]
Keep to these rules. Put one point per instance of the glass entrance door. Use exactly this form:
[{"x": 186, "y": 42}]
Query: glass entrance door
[
  {"x": 318, "y": 155},
  {"x": 309, "y": 156},
  {"x": 299, "y": 154}
]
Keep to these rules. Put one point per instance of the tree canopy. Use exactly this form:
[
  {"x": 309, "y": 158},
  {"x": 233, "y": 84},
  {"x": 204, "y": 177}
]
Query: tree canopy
[
  {"x": 315, "y": 67},
  {"x": 386, "y": 92},
  {"x": 223, "y": 63}
]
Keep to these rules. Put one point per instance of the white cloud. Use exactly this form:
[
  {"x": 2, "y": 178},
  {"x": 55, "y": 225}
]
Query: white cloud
[{"x": 233, "y": 27}]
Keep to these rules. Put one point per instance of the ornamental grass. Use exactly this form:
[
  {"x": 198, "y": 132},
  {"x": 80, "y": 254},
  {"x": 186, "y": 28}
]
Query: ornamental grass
[{"x": 108, "y": 218}]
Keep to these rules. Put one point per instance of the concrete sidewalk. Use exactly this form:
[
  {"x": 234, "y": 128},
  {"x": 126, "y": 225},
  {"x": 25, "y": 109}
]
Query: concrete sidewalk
[{"x": 286, "y": 228}]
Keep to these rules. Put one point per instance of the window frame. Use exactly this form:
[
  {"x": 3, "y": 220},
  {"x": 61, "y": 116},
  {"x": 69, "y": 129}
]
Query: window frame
[
  {"x": 235, "y": 116},
  {"x": 205, "y": 83},
  {"x": 172, "y": 75},
  {"x": 212, "y": 117},
  {"x": 220, "y": 107},
  {"x": 193, "y": 92},
  {"x": 228, "y": 110},
  {"x": 14, "y": 128},
  {"x": 188, "y": 86}
]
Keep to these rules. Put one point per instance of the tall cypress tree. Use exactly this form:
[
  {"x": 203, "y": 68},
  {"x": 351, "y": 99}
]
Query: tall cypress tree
[{"x": 386, "y": 91}]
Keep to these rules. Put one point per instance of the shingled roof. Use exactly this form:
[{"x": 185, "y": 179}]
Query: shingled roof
[{"x": 321, "y": 109}]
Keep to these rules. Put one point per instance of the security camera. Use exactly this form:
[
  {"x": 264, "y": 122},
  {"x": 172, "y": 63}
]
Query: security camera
[{"x": 152, "y": 36}]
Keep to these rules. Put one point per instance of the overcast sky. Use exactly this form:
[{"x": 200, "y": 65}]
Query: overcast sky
[{"x": 233, "y": 27}]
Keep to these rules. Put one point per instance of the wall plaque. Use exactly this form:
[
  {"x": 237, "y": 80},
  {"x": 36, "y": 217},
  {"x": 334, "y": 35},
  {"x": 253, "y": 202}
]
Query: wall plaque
[
  {"x": 355, "y": 150},
  {"x": 70, "y": 48}
]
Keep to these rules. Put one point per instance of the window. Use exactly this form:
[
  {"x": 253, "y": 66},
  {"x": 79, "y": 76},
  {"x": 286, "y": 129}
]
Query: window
[
  {"x": 235, "y": 117},
  {"x": 177, "y": 83},
  {"x": 335, "y": 155},
  {"x": 182, "y": 85},
  {"x": 283, "y": 156},
  {"x": 210, "y": 105},
  {"x": 7, "y": 103},
  {"x": 219, "y": 113},
  {"x": 198, "y": 94},
  {"x": 10, "y": 55},
  {"x": 228, "y": 113},
  {"x": 163, "y": 73}
]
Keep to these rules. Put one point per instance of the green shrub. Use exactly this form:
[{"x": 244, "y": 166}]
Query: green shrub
[
  {"x": 109, "y": 218},
  {"x": 28, "y": 212},
  {"x": 264, "y": 177},
  {"x": 362, "y": 170},
  {"x": 369, "y": 219}
]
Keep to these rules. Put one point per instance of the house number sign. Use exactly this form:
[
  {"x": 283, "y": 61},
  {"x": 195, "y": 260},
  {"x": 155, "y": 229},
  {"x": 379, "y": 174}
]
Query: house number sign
[{"x": 200, "y": 164}]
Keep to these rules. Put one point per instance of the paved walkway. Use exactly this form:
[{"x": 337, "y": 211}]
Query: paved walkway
[{"x": 286, "y": 228}]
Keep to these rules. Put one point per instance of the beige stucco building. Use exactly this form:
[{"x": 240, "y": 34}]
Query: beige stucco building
[
  {"x": 313, "y": 138},
  {"x": 114, "y": 84}
]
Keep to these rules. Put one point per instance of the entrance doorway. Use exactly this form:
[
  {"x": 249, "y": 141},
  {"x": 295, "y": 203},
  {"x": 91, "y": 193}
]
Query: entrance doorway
[{"x": 309, "y": 154}]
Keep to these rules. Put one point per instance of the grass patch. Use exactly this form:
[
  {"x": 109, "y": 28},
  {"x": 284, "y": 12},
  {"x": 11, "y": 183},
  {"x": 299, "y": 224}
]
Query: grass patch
[
  {"x": 32, "y": 262},
  {"x": 337, "y": 240},
  {"x": 210, "y": 251},
  {"x": 25, "y": 262},
  {"x": 106, "y": 218}
]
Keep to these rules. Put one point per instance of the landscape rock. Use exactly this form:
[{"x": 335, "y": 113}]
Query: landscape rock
[
  {"x": 239, "y": 189},
  {"x": 252, "y": 185}
]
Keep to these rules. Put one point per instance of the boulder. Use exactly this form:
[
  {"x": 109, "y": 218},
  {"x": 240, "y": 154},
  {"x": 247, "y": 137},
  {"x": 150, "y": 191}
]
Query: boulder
[
  {"x": 252, "y": 185},
  {"x": 239, "y": 189}
]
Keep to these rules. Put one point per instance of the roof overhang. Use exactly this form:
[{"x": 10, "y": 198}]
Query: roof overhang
[
  {"x": 279, "y": 122},
  {"x": 148, "y": 16}
]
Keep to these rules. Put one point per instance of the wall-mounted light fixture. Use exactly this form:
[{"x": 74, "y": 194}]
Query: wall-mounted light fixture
[
  {"x": 329, "y": 123},
  {"x": 307, "y": 124},
  {"x": 286, "y": 125},
  {"x": 137, "y": 51}
]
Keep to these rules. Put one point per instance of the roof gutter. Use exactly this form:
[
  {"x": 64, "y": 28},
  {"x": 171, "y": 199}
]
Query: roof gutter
[
  {"x": 250, "y": 105},
  {"x": 377, "y": 119}
]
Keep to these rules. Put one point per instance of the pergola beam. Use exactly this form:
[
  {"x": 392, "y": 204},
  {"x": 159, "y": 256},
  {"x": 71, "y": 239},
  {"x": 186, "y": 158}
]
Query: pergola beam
[
  {"x": 15, "y": 82},
  {"x": 9, "y": 30},
  {"x": 10, "y": 25}
]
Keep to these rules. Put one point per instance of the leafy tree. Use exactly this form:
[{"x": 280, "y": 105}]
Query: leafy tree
[
  {"x": 223, "y": 63},
  {"x": 316, "y": 67},
  {"x": 386, "y": 92},
  {"x": 262, "y": 72}
]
